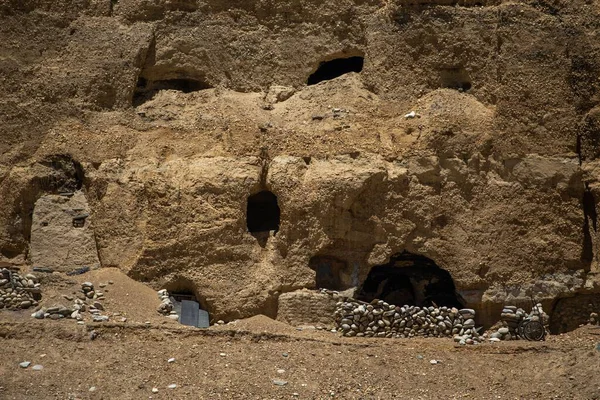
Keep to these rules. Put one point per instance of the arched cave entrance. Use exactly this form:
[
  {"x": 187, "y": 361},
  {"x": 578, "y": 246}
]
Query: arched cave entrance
[
  {"x": 410, "y": 279},
  {"x": 263, "y": 213},
  {"x": 330, "y": 272},
  {"x": 332, "y": 69},
  {"x": 187, "y": 304},
  {"x": 182, "y": 289}
]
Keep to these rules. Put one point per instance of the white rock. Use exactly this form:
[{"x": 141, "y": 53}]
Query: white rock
[
  {"x": 171, "y": 360},
  {"x": 172, "y": 386},
  {"x": 154, "y": 390},
  {"x": 411, "y": 114}
]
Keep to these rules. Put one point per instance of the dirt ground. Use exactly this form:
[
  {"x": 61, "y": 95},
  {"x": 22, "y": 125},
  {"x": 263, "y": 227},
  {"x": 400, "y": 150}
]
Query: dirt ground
[{"x": 242, "y": 359}]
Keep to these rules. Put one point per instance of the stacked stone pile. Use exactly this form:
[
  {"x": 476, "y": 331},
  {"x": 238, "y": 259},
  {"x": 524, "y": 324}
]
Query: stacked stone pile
[
  {"x": 18, "y": 291},
  {"x": 511, "y": 317},
  {"x": 380, "y": 319},
  {"x": 166, "y": 306},
  {"x": 88, "y": 299}
]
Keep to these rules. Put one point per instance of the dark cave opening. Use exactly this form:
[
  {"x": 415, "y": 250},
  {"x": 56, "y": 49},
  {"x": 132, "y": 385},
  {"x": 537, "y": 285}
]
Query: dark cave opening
[
  {"x": 455, "y": 78},
  {"x": 328, "y": 272},
  {"x": 191, "y": 308},
  {"x": 410, "y": 279},
  {"x": 183, "y": 295},
  {"x": 332, "y": 69},
  {"x": 263, "y": 213},
  {"x": 145, "y": 90},
  {"x": 182, "y": 289},
  {"x": 569, "y": 313}
]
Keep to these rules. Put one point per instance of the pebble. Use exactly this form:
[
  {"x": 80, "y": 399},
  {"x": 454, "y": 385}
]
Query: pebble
[
  {"x": 171, "y": 360},
  {"x": 279, "y": 382},
  {"x": 172, "y": 386},
  {"x": 222, "y": 354},
  {"x": 433, "y": 362},
  {"x": 92, "y": 389},
  {"x": 281, "y": 371},
  {"x": 154, "y": 390},
  {"x": 37, "y": 367},
  {"x": 25, "y": 364}
]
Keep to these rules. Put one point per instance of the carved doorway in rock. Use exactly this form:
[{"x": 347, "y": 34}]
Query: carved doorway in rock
[
  {"x": 263, "y": 213},
  {"x": 410, "y": 279}
]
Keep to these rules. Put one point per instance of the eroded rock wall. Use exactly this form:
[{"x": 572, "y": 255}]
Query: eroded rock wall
[{"x": 496, "y": 177}]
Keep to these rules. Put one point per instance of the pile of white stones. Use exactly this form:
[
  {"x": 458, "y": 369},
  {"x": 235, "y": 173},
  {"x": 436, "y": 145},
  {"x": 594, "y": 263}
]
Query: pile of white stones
[
  {"x": 166, "y": 306},
  {"x": 380, "y": 319},
  {"x": 511, "y": 317},
  {"x": 17, "y": 291},
  {"x": 87, "y": 299}
]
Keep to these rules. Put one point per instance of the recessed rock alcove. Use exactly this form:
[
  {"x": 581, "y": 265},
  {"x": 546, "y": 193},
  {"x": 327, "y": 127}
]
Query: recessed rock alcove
[
  {"x": 455, "y": 78},
  {"x": 410, "y": 279},
  {"x": 337, "y": 67},
  {"x": 262, "y": 213},
  {"x": 330, "y": 273},
  {"x": 145, "y": 89}
]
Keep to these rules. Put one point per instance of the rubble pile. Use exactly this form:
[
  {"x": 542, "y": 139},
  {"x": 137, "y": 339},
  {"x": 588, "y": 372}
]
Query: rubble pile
[
  {"x": 166, "y": 306},
  {"x": 380, "y": 319},
  {"x": 511, "y": 318},
  {"x": 88, "y": 300},
  {"x": 18, "y": 291}
]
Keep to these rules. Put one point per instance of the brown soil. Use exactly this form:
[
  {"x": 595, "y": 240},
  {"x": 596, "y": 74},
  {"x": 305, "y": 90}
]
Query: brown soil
[{"x": 127, "y": 360}]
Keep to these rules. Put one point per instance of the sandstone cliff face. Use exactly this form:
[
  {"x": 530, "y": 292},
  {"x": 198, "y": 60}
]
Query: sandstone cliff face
[{"x": 167, "y": 115}]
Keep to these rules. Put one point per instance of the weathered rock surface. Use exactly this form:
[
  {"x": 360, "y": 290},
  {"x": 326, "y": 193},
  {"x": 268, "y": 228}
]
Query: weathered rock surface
[
  {"x": 166, "y": 116},
  {"x": 306, "y": 307},
  {"x": 61, "y": 234}
]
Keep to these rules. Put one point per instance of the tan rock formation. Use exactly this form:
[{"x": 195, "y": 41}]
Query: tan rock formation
[{"x": 168, "y": 115}]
